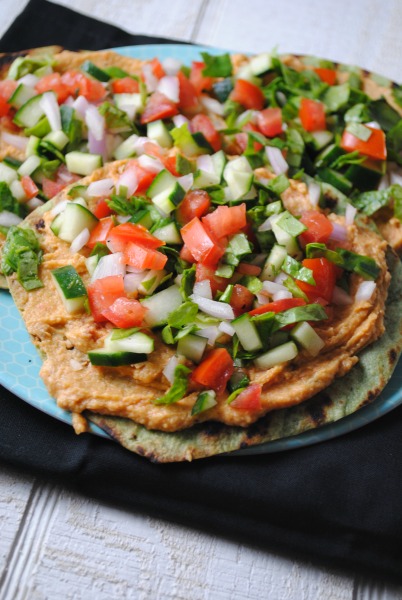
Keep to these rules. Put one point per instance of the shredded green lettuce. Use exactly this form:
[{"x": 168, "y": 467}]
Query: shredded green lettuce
[
  {"x": 179, "y": 387},
  {"x": 217, "y": 66},
  {"x": 22, "y": 254}
]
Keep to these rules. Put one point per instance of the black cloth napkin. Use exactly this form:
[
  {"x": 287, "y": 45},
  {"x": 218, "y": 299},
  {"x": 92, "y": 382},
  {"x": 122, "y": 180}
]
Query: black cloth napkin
[{"x": 338, "y": 502}]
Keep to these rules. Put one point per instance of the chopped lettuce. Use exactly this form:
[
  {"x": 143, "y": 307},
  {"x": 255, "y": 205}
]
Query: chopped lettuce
[
  {"x": 217, "y": 66},
  {"x": 179, "y": 387},
  {"x": 22, "y": 254}
]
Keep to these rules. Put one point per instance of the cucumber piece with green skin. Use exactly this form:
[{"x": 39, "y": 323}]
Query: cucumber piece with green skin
[
  {"x": 21, "y": 95},
  {"x": 12, "y": 162},
  {"x": 70, "y": 288},
  {"x": 126, "y": 149},
  {"x": 336, "y": 179},
  {"x": 239, "y": 177},
  {"x": 131, "y": 104},
  {"x": 17, "y": 190},
  {"x": 57, "y": 138},
  {"x": 137, "y": 342},
  {"x": 7, "y": 174},
  {"x": 365, "y": 177},
  {"x": 328, "y": 155},
  {"x": 205, "y": 400},
  {"x": 41, "y": 128},
  {"x": 32, "y": 146},
  {"x": 308, "y": 338},
  {"x": 82, "y": 163},
  {"x": 247, "y": 333},
  {"x": 285, "y": 239},
  {"x": 261, "y": 63},
  {"x": 74, "y": 219},
  {"x": 169, "y": 234},
  {"x": 321, "y": 139},
  {"x": 30, "y": 113},
  {"x": 165, "y": 192},
  {"x": 222, "y": 89},
  {"x": 108, "y": 358},
  {"x": 99, "y": 74},
  {"x": 151, "y": 281},
  {"x": 192, "y": 347},
  {"x": 30, "y": 165},
  {"x": 160, "y": 305},
  {"x": 276, "y": 356},
  {"x": 158, "y": 132},
  {"x": 219, "y": 161},
  {"x": 274, "y": 263}
]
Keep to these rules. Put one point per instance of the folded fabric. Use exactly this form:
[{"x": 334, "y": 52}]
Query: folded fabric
[{"x": 338, "y": 501}]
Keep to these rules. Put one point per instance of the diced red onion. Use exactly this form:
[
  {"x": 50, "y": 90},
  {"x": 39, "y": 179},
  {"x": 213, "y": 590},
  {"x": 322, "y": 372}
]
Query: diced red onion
[
  {"x": 186, "y": 181},
  {"x": 59, "y": 208},
  {"x": 248, "y": 115},
  {"x": 151, "y": 164},
  {"x": 227, "y": 328},
  {"x": 340, "y": 297},
  {"x": 180, "y": 120},
  {"x": 203, "y": 288},
  {"x": 29, "y": 79},
  {"x": 81, "y": 105},
  {"x": 80, "y": 241},
  {"x": 170, "y": 367},
  {"x": 97, "y": 146},
  {"x": 18, "y": 141},
  {"x": 266, "y": 225},
  {"x": 132, "y": 281},
  {"x": 339, "y": 233},
  {"x": 112, "y": 142},
  {"x": 109, "y": 265},
  {"x": 211, "y": 333},
  {"x": 365, "y": 291},
  {"x": 314, "y": 192},
  {"x": 129, "y": 180},
  {"x": 373, "y": 124},
  {"x": 171, "y": 66},
  {"x": 49, "y": 105},
  {"x": 7, "y": 219},
  {"x": 350, "y": 214},
  {"x": 69, "y": 101},
  {"x": 204, "y": 163},
  {"x": 139, "y": 144},
  {"x": 275, "y": 157},
  {"x": 95, "y": 122},
  {"x": 281, "y": 278},
  {"x": 273, "y": 288},
  {"x": 150, "y": 80},
  {"x": 281, "y": 295},
  {"x": 220, "y": 310},
  {"x": 123, "y": 218},
  {"x": 169, "y": 87},
  {"x": 102, "y": 187},
  {"x": 34, "y": 203},
  {"x": 396, "y": 177},
  {"x": 212, "y": 105}
]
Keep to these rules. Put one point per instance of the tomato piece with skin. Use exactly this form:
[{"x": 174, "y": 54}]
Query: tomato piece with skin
[
  {"x": 7, "y": 88},
  {"x": 248, "y": 95},
  {"x": 249, "y": 399},
  {"x": 158, "y": 107},
  {"x": 157, "y": 68},
  {"x": 29, "y": 186},
  {"x": 125, "y": 312},
  {"x": 269, "y": 122},
  {"x": 215, "y": 370},
  {"x": 248, "y": 269},
  {"x": 200, "y": 242},
  {"x": 242, "y": 138},
  {"x": 53, "y": 82},
  {"x": 375, "y": 147},
  {"x": 319, "y": 228},
  {"x": 102, "y": 209},
  {"x": 140, "y": 257},
  {"x": 188, "y": 97},
  {"x": 100, "y": 232},
  {"x": 202, "y": 273},
  {"x": 203, "y": 124},
  {"x": 324, "y": 273},
  {"x": 78, "y": 84},
  {"x": 278, "y": 306},
  {"x": 186, "y": 255},
  {"x": 125, "y": 85},
  {"x": 170, "y": 164},
  {"x": 6, "y": 121},
  {"x": 241, "y": 299},
  {"x": 326, "y": 75},
  {"x": 51, "y": 188},
  {"x": 226, "y": 220},
  {"x": 199, "y": 81},
  {"x": 144, "y": 177},
  {"x": 195, "y": 203},
  {"x": 123, "y": 234},
  {"x": 312, "y": 115},
  {"x": 102, "y": 293}
]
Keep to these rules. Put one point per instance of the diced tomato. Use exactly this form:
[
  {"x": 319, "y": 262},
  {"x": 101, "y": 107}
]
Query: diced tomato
[
  {"x": 226, "y": 220},
  {"x": 247, "y": 269},
  {"x": 6, "y": 122},
  {"x": 125, "y": 312},
  {"x": 214, "y": 371},
  {"x": 100, "y": 232},
  {"x": 326, "y": 75},
  {"x": 188, "y": 97},
  {"x": 269, "y": 121},
  {"x": 319, "y": 228},
  {"x": 278, "y": 306},
  {"x": 198, "y": 80},
  {"x": 204, "y": 124},
  {"x": 249, "y": 399},
  {"x": 170, "y": 165},
  {"x": 324, "y": 274},
  {"x": 312, "y": 114},
  {"x": 53, "y": 82},
  {"x": 78, "y": 84},
  {"x": 125, "y": 233},
  {"x": 242, "y": 138},
  {"x": 202, "y": 272},
  {"x": 51, "y": 188},
  {"x": 144, "y": 177},
  {"x": 102, "y": 293},
  {"x": 375, "y": 147},
  {"x": 102, "y": 209},
  {"x": 7, "y": 88},
  {"x": 158, "y": 107},
  {"x": 125, "y": 85},
  {"x": 248, "y": 94},
  {"x": 186, "y": 255},
  {"x": 241, "y": 299},
  {"x": 201, "y": 243},
  {"x": 29, "y": 186},
  {"x": 195, "y": 203},
  {"x": 157, "y": 68},
  {"x": 153, "y": 149},
  {"x": 140, "y": 257}
]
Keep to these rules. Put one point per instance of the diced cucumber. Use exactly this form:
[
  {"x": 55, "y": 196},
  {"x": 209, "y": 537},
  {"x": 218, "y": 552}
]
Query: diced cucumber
[
  {"x": 30, "y": 113},
  {"x": 75, "y": 218},
  {"x": 90, "y": 262},
  {"x": 336, "y": 179},
  {"x": 12, "y": 162},
  {"x": 205, "y": 179},
  {"x": 247, "y": 333},
  {"x": 83, "y": 163},
  {"x": 246, "y": 72},
  {"x": 108, "y": 358},
  {"x": 160, "y": 305},
  {"x": 321, "y": 139},
  {"x": 276, "y": 356},
  {"x": 151, "y": 281},
  {"x": 32, "y": 146},
  {"x": 17, "y": 190},
  {"x": 30, "y": 165},
  {"x": 204, "y": 401},
  {"x": 157, "y": 131},
  {"x": 131, "y": 104},
  {"x": 165, "y": 192},
  {"x": 22, "y": 94},
  {"x": 274, "y": 263},
  {"x": 261, "y": 63},
  {"x": 41, "y": 128},
  {"x": 239, "y": 177},
  {"x": 126, "y": 148},
  {"x": 57, "y": 138},
  {"x": 219, "y": 161},
  {"x": 70, "y": 288},
  {"x": 192, "y": 347},
  {"x": 283, "y": 238},
  {"x": 328, "y": 155},
  {"x": 191, "y": 144},
  {"x": 7, "y": 174},
  {"x": 137, "y": 342},
  {"x": 308, "y": 338},
  {"x": 99, "y": 74},
  {"x": 169, "y": 234},
  {"x": 366, "y": 176}
]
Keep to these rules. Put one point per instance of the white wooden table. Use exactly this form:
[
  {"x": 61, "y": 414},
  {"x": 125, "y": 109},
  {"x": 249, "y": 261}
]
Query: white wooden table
[{"x": 55, "y": 544}]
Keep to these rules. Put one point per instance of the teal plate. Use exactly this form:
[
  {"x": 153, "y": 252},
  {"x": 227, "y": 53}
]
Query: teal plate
[{"x": 21, "y": 362}]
